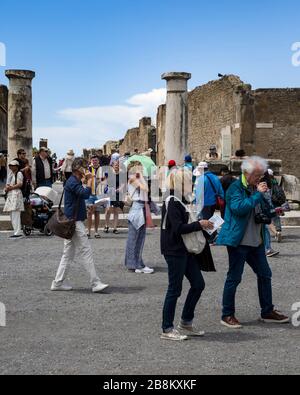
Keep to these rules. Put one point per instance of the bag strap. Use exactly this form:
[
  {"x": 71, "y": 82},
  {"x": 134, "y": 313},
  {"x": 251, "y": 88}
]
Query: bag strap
[
  {"x": 213, "y": 186},
  {"x": 61, "y": 199}
]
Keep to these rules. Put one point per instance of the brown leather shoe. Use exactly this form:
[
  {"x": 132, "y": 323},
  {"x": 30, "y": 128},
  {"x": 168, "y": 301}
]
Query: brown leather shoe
[
  {"x": 275, "y": 318},
  {"x": 231, "y": 322}
]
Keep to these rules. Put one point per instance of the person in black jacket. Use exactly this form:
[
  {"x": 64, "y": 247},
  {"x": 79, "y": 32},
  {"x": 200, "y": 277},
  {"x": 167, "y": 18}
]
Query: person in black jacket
[{"x": 180, "y": 262}]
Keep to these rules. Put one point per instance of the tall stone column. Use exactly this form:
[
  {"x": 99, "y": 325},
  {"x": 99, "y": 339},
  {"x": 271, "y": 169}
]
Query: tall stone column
[
  {"x": 19, "y": 112},
  {"x": 176, "y": 139}
]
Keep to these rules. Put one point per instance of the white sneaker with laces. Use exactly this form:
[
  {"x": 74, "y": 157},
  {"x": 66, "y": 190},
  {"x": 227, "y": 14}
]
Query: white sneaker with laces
[
  {"x": 65, "y": 287},
  {"x": 100, "y": 288},
  {"x": 146, "y": 270},
  {"x": 190, "y": 331},
  {"x": 174, "y": 336}
]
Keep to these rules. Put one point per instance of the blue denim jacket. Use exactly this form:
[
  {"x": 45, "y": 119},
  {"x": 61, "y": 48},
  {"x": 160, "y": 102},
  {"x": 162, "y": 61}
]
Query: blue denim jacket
[{"x": 74, "y": 190}]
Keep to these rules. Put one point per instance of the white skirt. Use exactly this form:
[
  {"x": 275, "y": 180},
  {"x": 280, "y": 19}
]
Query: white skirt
[{"x": 14, "y": 201}]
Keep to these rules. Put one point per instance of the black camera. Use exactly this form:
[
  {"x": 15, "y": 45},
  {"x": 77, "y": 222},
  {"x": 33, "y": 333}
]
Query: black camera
[{"x": 262, "y": 219}]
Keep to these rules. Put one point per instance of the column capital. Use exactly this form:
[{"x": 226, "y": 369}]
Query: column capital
[
  {"x": 176, "y": 76},
  {"x": 20, "y": 74}
]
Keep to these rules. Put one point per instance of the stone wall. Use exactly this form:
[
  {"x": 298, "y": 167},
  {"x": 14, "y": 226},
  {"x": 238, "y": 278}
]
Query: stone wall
[
  {"x": 161, "y": 132},
  {"x": 141, "y": 138},
  {"x": 110, "y": 146},
  {"x": 3, "y": 117},
  {"x": 277, "y": 135},
  {"x": 213, "y": 107}
]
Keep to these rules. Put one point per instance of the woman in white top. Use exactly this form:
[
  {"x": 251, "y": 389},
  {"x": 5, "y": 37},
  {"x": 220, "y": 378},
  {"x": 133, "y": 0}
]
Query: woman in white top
[
  {"x": 138, "y": 191},
  {"x": 14, "y": 203},
  {"x": 66, "y": 168}
]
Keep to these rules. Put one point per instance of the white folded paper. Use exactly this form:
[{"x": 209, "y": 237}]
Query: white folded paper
[{"x": 217, "y": 221}]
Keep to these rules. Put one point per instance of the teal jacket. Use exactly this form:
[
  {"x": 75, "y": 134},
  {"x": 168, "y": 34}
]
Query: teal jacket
[{"x": 239, "y": 206}]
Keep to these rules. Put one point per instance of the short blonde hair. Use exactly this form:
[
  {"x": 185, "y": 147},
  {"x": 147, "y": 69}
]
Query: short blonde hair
[
  {"x": 132, "y": 165},
  {"x": 179, "y": 180}
]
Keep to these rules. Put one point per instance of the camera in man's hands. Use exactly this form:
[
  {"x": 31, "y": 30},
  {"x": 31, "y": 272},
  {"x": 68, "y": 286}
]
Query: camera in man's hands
[{"x": 262, "y": 219}]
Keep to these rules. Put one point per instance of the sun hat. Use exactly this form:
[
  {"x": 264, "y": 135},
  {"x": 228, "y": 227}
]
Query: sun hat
[
  {"x": 200, "y": 169},
  {"x": 14, "y": 163}
]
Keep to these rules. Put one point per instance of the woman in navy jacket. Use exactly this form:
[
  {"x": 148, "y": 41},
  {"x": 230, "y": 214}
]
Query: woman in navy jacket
[{"x": 180, "y": 262}]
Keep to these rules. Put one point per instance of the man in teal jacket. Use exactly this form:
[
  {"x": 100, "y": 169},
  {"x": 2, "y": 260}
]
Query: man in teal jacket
[{"x": 243, "y": 234}]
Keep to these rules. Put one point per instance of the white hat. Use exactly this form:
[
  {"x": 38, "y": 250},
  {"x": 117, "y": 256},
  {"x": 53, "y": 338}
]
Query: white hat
[
  {"x": 115, "y": 157},
  {"x": 14, "y": 163},
  {"x": 203, "y": 165},
  {"x": 199, "y": 170},
  {"x": 271, "y": 172},
  {"x": 71, "y": 153}
]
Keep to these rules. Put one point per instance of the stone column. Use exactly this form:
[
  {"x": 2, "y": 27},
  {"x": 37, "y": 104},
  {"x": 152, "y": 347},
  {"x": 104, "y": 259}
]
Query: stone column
[
  {"x": 176, "y": 139},
  {"x": 19, "y": 112}
]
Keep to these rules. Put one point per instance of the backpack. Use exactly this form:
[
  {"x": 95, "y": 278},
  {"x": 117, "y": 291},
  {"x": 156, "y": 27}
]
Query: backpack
[{"x": 278, "y": 195}]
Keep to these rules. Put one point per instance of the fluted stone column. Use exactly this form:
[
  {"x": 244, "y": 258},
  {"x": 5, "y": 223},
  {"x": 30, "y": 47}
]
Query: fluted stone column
[
  {"x": 19, "y": 112},
  {"x": 176, "y": 139}
]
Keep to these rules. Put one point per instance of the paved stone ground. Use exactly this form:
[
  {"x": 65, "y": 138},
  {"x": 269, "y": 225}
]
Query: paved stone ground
[{"x": 118, "y": 332}]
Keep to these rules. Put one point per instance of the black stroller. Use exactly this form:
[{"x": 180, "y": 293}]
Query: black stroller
[{"x": 38, "y": 211}]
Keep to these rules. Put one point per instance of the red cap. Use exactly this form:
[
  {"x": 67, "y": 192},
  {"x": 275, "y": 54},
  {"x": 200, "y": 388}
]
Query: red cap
[{"x": 172, "y": 163}]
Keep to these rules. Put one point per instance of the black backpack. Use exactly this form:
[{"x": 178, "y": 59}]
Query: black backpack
[{"x": 278, "y": 195}]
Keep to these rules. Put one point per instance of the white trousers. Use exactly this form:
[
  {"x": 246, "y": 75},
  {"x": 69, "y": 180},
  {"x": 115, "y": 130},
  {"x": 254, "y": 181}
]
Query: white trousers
[
  {"x": 15, "y": 217},
  {"x": 81, "y": 243}
]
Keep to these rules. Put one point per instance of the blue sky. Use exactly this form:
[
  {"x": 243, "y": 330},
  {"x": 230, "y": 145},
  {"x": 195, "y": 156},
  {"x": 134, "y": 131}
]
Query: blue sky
[{"x": 99, "y": 63}]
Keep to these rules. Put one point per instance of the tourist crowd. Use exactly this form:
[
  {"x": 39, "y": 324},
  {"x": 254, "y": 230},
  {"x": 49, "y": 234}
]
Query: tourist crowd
[{"x": 192, "y": 196}]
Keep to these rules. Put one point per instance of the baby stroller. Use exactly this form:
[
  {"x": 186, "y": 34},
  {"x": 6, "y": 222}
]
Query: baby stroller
[{"x": 38, "y": 211}]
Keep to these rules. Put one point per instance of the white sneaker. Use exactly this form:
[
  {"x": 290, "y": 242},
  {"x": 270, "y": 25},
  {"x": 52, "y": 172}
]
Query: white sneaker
[
  {"x": 146, "y": 270},
  {"x": 61, "y": 288},
  {"x": 100, "y": 288},
  {"x": 190, "y": 331},
  {"x": 16, "y": 237},
  {"x": 174, "y": 336}
]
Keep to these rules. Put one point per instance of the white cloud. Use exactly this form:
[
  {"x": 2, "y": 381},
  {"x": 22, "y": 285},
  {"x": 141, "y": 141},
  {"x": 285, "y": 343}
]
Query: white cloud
[{"x": 93, "y": 126}]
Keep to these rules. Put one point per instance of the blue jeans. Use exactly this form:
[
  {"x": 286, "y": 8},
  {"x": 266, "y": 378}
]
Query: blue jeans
[
  {"x": 277, "y": 223},
  {"x": 256, "y": 258},
  {"x": 268, "y": 243},
  {"x": 180, "y": 266}
]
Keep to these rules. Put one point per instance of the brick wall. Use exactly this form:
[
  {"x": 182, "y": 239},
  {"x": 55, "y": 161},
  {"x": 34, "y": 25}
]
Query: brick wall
[
  {"x": 161, "y": 132},
  {"x": 213, "y": 107},
  {"x": 3, "y": 117},
  {"x": 141, "y": 138},
  {"x": 280, "y": 107}
]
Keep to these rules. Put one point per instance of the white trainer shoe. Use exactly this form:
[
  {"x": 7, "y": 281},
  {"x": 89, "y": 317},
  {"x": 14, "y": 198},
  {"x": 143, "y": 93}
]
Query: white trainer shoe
[
  {"x": 61, "y": 288},
  {"x": 174, "y": 336},
  {"x": 100, "y": 288},
  {"x": 190, "y": 331},
  {"x": 146, "y": 270}
]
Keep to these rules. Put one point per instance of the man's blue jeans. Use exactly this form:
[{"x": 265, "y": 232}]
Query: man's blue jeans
[
  {"x": 256, "y": 258},
  {"x": 180, "y": 267}
]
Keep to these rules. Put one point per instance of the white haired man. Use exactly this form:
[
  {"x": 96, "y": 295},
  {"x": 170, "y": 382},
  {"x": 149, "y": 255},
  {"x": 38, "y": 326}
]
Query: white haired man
[{"x": 243, "y": 234}]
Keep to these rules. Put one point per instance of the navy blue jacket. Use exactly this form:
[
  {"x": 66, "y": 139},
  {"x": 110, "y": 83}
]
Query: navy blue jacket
[{"x": 74, "y": 190}]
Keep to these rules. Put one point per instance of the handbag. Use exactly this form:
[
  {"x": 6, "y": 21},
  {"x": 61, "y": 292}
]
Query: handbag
[
  {"x": 62, "y": 226},
  {"x": 220, "y": 205},
  {"x": 194, "y": 242},
  {"x": 129, "y": 198}
]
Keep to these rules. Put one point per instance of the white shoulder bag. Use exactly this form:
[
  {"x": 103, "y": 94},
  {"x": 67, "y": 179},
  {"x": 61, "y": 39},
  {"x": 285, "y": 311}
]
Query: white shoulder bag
[{"x": 194, "y": 242}]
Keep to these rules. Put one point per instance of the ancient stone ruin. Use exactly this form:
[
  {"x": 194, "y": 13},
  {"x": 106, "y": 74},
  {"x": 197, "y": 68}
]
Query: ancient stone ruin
[
  {"x": 226, "y": 112},
  {"x": 16, "y": 113}
]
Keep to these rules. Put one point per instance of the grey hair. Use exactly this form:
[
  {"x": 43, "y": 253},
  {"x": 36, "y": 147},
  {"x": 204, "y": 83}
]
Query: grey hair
[
  {"x": 78, "y": 164},
  {"x": 249, "y": 165}
]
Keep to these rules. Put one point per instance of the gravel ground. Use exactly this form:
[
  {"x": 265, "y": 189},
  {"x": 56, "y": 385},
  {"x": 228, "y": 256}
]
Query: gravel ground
[{"x": 118, "y": 332}]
